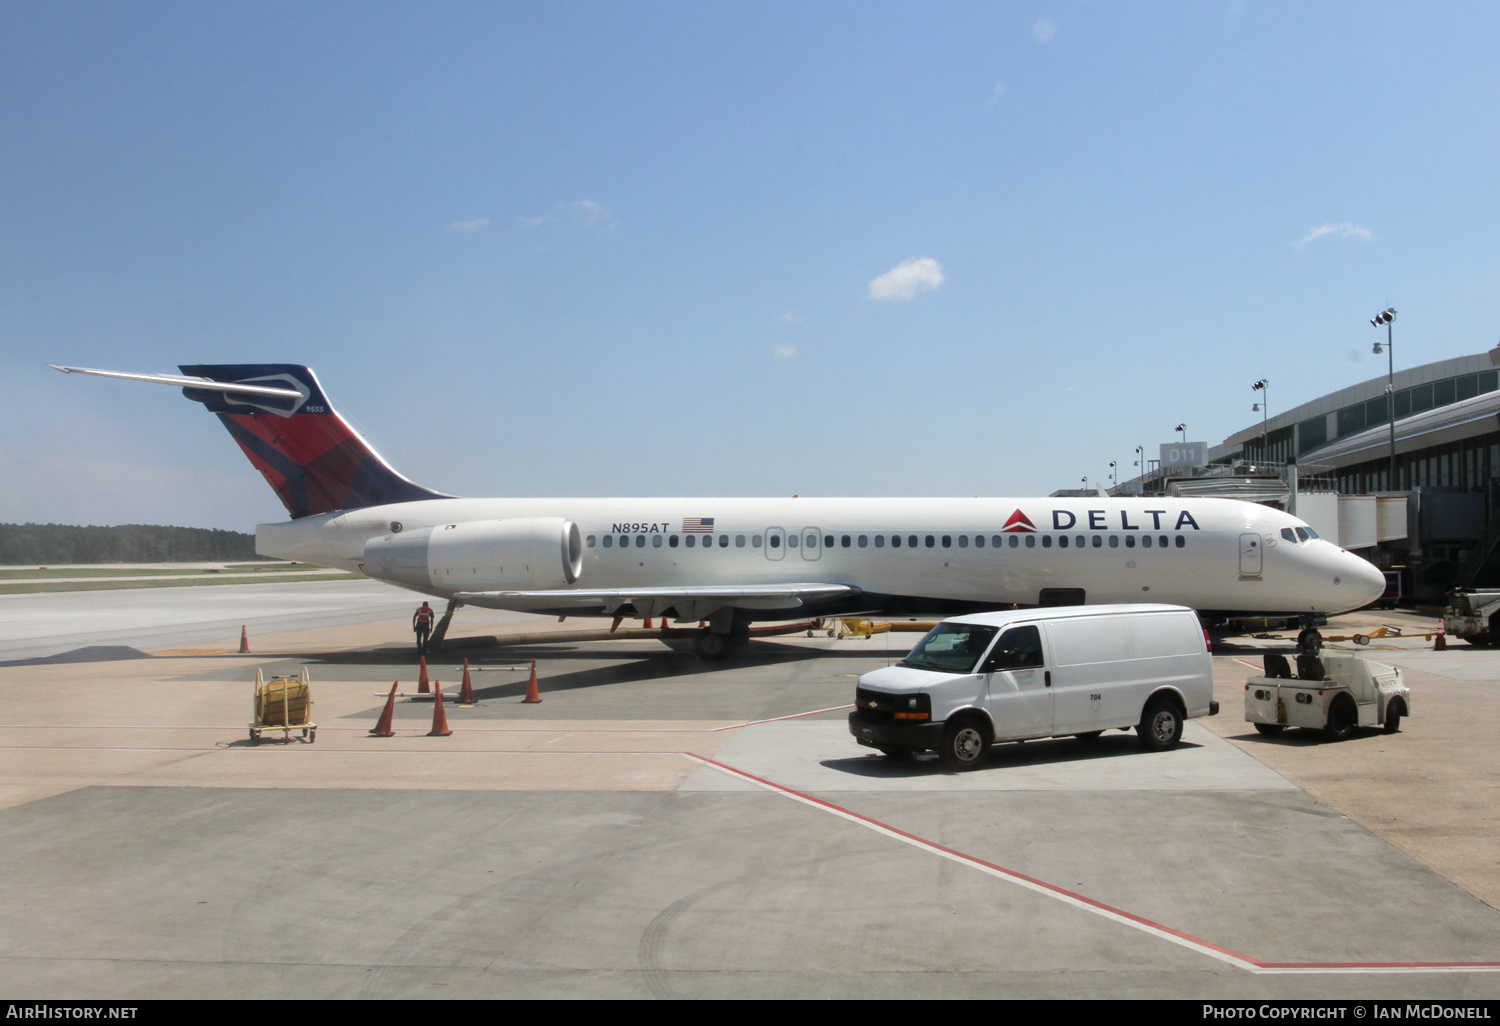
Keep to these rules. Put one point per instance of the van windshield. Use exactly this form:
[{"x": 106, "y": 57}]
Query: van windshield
[{"x": 950, "y": 648}]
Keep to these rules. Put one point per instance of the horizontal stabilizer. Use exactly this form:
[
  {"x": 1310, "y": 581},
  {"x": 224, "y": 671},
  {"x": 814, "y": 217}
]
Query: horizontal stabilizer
[{"x": 182, "y": 381}]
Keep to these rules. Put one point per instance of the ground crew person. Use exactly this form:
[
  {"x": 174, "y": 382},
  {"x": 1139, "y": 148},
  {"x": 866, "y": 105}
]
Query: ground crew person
[{"x": 421, "y": 622}]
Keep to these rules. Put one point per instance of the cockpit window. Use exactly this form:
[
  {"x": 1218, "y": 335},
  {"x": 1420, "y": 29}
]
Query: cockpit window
[
  {"x": 950, "y": 648},
  {"x": 1286, "y": 532},
  {"x": 1305, "y": 534}
]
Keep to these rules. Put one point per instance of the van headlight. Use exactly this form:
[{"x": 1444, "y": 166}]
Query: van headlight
[{"x": 918, "y": 708}]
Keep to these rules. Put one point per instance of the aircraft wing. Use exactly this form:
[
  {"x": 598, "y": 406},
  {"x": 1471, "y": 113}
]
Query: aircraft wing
[{"x": 690, "y": 603}]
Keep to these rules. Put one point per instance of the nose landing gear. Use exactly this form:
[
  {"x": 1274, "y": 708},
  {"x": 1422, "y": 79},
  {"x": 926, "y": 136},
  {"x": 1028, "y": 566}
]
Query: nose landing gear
[{"x": 1308, "y": 639}]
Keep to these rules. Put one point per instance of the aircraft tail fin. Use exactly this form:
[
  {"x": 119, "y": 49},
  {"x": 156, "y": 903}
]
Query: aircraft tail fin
[{"x": 310, "y": 456}]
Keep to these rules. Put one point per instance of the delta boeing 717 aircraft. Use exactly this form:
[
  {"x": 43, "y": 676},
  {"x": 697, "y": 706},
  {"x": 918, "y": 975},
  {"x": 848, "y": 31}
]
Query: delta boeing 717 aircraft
[{"x": 730, "y": 562}]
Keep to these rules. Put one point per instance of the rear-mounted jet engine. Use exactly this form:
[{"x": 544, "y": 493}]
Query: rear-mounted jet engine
[{"x": 531, "y": 553}]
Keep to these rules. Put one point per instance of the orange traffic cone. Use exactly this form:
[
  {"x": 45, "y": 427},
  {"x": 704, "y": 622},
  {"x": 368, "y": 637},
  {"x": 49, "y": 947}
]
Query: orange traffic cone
[
  {"x": 439, "y": 718},
  {"x": 244, "y": 640},
  {"x": 533, "y": 695},
  {"x": 648, "y": 623},
  {"x": 466, "y": 693},
  {"x": 1440, "y": 643},
  {"x": 422, "y": 686},
  {"x": 383, "y": 725}
]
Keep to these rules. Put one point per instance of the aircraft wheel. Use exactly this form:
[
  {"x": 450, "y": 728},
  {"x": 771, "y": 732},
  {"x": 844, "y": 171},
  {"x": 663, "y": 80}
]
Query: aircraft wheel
[
  {"x": 711, "y": 646},
  {"x": 1309, "y": 640}
]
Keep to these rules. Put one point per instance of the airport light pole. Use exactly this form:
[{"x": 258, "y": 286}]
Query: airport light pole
[
  {"x": 1385, "y": 317},
  {"x": 1183, "y": 428},
  {"x": 1114, "y": 473},
  {"x": 1264, "y": 406}
]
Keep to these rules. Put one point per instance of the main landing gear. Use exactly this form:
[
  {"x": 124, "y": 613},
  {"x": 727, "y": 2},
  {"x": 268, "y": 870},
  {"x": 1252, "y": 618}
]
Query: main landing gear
[
  {"x": 713, "y": 646},
  {"x": 723, "y": 637}
]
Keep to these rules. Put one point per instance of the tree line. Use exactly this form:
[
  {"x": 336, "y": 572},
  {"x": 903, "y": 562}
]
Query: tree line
[{"x": 46, "y": 544}]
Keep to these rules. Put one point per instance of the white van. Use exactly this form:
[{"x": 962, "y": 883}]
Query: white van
[{"x": 1032, "y": 673}]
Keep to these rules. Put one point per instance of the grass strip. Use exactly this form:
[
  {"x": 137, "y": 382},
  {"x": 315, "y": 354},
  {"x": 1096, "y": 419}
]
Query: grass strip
[
  {"x": 191, "y": 582},
  {"x": 25, "y": 573}
]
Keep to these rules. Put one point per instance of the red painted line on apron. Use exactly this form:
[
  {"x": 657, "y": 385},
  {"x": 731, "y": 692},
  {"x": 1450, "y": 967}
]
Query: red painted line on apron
[{"x": 1150, "y": 926}]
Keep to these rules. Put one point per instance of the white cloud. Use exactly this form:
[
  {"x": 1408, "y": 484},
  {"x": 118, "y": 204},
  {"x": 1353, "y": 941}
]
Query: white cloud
[
  {"x": 908, "y": 278},
  {"x": 999, "y": 92},
  {"x": 790, "y": 317},
  {"x": 1044, "y": 29},
  {"x": 469, "y": 226},
  {"x": 577, "y": 212},
  {"x": 593, "y": 213},
  {"x": 786, "y": 352},
  {"x": 1347, "y": 229}
]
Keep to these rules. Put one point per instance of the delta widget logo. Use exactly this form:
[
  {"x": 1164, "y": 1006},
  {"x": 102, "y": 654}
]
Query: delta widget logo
[{"x": 1019, "y": 523}]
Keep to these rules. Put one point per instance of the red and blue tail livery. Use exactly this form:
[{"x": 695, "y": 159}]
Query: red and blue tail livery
[{"x": 307, "y": 452}]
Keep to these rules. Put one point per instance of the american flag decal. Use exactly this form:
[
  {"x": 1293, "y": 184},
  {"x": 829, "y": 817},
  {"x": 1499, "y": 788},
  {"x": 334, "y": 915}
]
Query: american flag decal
[{"x": 697, "y": 525}]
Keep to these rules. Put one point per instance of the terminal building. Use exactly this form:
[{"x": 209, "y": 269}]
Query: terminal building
[{"x": 1433, "y": 521}]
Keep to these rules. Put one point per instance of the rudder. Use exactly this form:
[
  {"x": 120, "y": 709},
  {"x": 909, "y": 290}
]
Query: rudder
[{"x": 310, "y": 456}]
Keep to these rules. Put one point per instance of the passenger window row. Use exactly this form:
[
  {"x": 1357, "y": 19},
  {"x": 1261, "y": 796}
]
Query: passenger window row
[
  {"x": 688, "y": 540},
  {"x": 910, "y": 541}
]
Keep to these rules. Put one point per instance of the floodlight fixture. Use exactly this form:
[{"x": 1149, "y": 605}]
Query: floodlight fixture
[{"x": 1385, "y": 317}]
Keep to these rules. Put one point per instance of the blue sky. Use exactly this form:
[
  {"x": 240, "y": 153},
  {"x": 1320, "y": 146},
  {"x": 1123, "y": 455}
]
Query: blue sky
[{"x": 642, "y": 249}]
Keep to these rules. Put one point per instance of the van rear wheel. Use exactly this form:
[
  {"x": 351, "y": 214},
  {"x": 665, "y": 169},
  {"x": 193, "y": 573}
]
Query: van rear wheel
[
  {"x": 965, "y": 745},
  {"x": 1161, "y": 725}
]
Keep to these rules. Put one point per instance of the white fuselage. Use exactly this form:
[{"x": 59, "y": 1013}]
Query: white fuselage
[{"x": 1214, "y": 555}]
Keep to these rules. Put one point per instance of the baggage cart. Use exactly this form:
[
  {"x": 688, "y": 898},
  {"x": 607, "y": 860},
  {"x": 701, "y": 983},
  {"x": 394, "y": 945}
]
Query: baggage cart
[{"x": 284, "y": 704}]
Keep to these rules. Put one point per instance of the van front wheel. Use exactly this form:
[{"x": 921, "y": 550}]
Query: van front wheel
[
  {"x": 965, "y": 744},
  {"x": 1161, "y": 725}
]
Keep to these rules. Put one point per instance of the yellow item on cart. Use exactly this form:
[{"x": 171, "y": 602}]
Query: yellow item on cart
[{"x": 283, "y": 703}]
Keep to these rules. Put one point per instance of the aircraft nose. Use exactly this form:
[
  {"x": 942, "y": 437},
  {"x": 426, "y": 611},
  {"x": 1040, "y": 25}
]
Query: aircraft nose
[{"x": 1363, "y": 579}]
